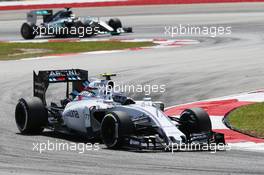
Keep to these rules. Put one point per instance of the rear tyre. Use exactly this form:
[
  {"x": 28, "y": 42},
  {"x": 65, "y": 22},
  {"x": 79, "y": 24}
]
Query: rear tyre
[
  {"x": 195, "y": 120},
  {"x": 115, "y": 127},
  {"x": 31, "y": 116},
  {"x": 27, "y": 31},
  {"x": 116, "y": 24}
]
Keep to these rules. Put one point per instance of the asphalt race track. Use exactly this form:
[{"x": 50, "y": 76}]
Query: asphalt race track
[{"x": 216, "y": 67}]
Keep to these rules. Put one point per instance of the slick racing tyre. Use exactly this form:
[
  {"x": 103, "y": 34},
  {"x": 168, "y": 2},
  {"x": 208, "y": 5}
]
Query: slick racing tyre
[
  {"x": 27, "y": 31},
  {"x": 115, "y": 127},
  {"x": 194, "y": 120},
  {"x": 116, "y": 24},
  {"x": 31, "y": 116}
]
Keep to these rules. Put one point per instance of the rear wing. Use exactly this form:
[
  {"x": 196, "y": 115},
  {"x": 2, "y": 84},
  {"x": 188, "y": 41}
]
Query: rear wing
[
  {"x": 42, "y": 80},
  {"x": 32, "y": 15}
]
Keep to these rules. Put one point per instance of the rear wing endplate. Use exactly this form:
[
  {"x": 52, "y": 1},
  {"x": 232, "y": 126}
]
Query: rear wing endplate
[
  {"x": 32, "y": 15},
  {"x": 42, "y": 80}
]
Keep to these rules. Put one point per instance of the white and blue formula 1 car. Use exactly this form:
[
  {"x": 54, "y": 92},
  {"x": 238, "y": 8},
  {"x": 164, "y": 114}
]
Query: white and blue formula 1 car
[{"x": 93, "y": 110}]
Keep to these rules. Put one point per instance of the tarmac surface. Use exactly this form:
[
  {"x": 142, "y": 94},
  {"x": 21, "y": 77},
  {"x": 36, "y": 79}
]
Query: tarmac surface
[{"x": 218, "y": 66}]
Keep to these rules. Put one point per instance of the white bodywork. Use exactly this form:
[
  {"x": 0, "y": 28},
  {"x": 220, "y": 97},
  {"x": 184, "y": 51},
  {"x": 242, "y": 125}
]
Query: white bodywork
[{"x": 77, "y": 114}]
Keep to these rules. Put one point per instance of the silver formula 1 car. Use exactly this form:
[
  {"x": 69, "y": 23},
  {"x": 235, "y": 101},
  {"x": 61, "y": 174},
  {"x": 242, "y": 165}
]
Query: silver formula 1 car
[
  {"x": 64, "y": 23},
  {"x": 93, "y": 109}
]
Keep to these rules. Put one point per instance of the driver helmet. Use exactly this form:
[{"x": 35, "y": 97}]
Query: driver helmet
[
  {"x": 94, "y": 87},
  {"x": 72, "y": 16}
]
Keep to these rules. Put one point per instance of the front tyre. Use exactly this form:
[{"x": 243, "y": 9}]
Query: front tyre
[
  {"x": 116, "y": 24},
  {"x": 195, "y": 120},
  {"x": 27, "y": 31},
  {"x": 115, "y": 127},
  {"x": 31, "y": 116}
]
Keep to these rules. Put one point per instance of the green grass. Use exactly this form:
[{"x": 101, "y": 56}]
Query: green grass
[
  {"x": 10, "y": 51},
  {"x": 249, "y": 119}
]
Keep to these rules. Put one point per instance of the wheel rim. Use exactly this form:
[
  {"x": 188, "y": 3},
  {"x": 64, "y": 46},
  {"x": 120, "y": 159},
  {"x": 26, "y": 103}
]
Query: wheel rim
[{"x": 109, "y": 130}]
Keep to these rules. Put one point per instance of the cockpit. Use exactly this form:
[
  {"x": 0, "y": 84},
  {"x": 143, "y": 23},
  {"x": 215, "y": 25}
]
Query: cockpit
[{"x": 62, "y": 14}]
